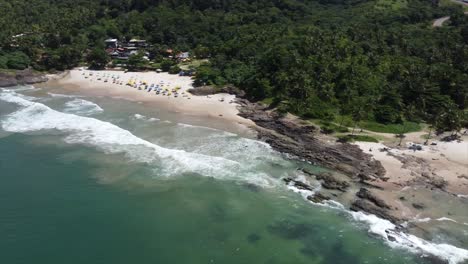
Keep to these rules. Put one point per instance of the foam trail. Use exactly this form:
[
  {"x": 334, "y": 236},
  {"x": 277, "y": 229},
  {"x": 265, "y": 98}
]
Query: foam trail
[
  {"x": 206, "y": 128},
  {"x": 145, "y": 118},
  {"x": 392, "y": 236},
  {"x": 82, "y": 107},
  {"x": 113, "y": 139},
  {"x": 64, "y": 95}
]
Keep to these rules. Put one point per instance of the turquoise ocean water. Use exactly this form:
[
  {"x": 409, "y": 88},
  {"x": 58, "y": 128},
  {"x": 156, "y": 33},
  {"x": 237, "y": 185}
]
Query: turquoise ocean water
[{"x": 99, "y": 180}]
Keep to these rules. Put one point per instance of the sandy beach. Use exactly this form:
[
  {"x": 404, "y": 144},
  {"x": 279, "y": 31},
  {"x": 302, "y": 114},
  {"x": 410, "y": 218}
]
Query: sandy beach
[
  {"x": 431, "y": 183},
  {"x": 444, "y": 160},
  {"x": 173, "y": 95}
]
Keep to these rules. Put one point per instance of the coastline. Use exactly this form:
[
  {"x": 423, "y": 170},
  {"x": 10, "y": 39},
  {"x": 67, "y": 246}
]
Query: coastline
[
  {"x": 219, "y": 106},
  {"x": 360, "y": 166},
  {"x": 366, "y": 179}
]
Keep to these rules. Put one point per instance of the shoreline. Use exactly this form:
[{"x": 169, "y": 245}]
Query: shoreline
[
  {"x": 219, "y": 106},
  {"x": 366, "y": 179},
  {"x": 360, "y": 165}
]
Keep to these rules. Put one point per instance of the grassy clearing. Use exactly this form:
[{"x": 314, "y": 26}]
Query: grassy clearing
[
  {"x": 330, "y": 128},
  {"x": 406, "y": 127},
  {"x": 267, "y": 101},
  {"x": 191, "y": 64}
]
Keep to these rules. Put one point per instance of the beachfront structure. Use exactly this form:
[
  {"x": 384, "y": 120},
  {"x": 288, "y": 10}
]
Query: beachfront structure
[
  {"x": 183, "y": 56},
  {"x": 139, "y": 43},
  {"x": 111, "y": 43}
]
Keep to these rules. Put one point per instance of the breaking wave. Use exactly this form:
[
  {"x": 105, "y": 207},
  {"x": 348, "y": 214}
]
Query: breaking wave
[
  {"x": 82, "y": 107},
  {"x": 390, "y": 233},
  {"x": 63, "y": 95},
  {"x": 110, "y": 138}
]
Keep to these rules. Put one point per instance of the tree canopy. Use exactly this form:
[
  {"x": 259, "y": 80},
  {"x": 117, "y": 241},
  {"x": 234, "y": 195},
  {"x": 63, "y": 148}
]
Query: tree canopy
[{"x": 317, "y": 59}]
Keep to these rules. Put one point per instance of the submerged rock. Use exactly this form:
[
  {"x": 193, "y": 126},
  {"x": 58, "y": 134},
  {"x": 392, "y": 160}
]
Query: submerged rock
[{"x": 253, "y": 238}]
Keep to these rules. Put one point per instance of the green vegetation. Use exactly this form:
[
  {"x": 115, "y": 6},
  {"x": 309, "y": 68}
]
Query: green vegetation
[
  {"x": 391, "y": 128},
  {"x": 353, "y": 138},
  {"x": 391, "y": 4},
  {"x": 98, "y": 59},
  {"x": 330, "y": 128},
  {"x": 375, "y": 62}
]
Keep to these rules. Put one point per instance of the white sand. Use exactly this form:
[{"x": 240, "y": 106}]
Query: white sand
[
  {"x": 448, "y": 160},
  {"x": 79, "y": 81}
]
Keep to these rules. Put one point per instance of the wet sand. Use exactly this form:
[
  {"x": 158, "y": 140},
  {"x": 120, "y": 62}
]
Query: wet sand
[{"x": 79, "y": 81}]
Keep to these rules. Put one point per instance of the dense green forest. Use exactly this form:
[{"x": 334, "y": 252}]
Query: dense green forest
[{"x": 377, "y": 60}]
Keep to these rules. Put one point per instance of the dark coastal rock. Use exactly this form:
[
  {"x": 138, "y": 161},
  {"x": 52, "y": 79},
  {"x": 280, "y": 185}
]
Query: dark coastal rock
[
  {"x": 208, "y": 90},
  {"x": 293, "y": 137},
  {"x": 371, "y": 208},
  {"x": 318, "y": 198},
  {"x": 368, "y": 195},
  {"x": 438, "y": 182},
  {"x": 20, "y": 78},
  {"x": 298, "y": 184},
  {"x": 7, "y": 80},
  {"x": 332, "y": 183},
  {"x": 434, "y": 259},
  {"x": 418, "y": 206}
]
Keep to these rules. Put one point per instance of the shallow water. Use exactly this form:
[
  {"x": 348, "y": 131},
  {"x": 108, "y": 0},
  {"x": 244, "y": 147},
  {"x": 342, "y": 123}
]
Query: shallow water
[{"x": 127, "y": 183}]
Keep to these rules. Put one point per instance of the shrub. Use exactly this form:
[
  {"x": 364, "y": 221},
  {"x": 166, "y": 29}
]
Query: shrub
[
  {"x": 174, "y": 69},
  {"x": 352, "y": 138},
  {"x": 17, "y": 60}
]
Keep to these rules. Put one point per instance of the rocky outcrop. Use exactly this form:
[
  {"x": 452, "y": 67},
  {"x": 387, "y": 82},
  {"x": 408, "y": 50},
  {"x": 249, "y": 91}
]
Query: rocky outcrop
[
  {"x": 371, "y": 208},
  {"x": 368, "y": 195},
  {"x": 294, "y": 138},
  {"x": 23, "y": 77},
  {"x": 328, "y": 181},
  {"x": 207, "y": 90},
  {"x": 332, "y": 183},
  {"x": 318, "y": 198},
  {"x": 297, "y": 184}
]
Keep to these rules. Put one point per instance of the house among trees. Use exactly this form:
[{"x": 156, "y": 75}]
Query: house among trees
[
  {"x": 183, "y": 56},
  {"x": 111, "y": 43},
  {"x": 122, "y": 50},
  {"x": 139, "y": 43}
]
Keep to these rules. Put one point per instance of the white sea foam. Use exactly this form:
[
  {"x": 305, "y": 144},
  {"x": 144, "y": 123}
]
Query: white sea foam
[
  {"x": 206, "y": 128},
  {"x": 446, "y": 219},
  {"x": 82, "y": 107},
  {"x": 113, "y": 139},
  {"x": 145, "y": 118},
  {"x": 24, "y": 88},
  {"x": 64, "y": 95},
  {"x": 385, "y": 229},
  {"x": 422, "y": 220}
]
